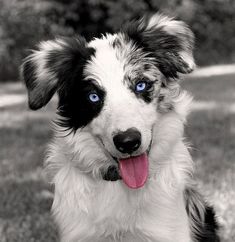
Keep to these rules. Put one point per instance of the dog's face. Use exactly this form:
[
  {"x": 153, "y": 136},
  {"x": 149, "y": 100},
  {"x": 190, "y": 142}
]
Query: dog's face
[
  {"x": 113, "y": 88},
  {"x": 126, "y": 88}
]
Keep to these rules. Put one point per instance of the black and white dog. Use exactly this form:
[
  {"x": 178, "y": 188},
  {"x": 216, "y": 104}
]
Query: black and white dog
[{"x": 120, "y": 167}]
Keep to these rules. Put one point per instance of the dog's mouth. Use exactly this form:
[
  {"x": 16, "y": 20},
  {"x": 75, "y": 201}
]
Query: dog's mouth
[{"x": 133, "y": 170}]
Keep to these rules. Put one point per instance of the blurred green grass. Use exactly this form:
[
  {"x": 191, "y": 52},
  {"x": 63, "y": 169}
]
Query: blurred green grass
[{"x": 26, "y": 198}]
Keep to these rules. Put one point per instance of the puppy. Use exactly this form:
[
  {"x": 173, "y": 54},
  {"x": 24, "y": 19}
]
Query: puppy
[{"x": 118, "y": 160}]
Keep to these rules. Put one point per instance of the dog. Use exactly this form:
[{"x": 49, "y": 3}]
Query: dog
[{"x": 118, "y": 160}]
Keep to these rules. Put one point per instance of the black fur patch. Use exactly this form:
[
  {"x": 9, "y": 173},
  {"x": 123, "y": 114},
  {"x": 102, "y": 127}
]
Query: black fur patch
[
  {"x": 74, "y": 106},
  {"x": 209, "y": 230},
  {"x": 29, "y": 74},
  {"x": 161, "y": 45},
  {"x": 112, "y": 174},
  {"x": 65, "y": 65},
  {"x": 206, "y": 223},
  {"x": 68, "y": 62}
]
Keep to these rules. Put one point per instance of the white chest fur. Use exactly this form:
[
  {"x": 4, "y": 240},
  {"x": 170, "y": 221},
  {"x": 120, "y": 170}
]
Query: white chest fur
[{"x": 95, "y": 210}]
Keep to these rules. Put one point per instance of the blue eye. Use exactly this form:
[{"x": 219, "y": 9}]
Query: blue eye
[
  {"x": 140, "y": 86},
  {"x": 93, "y": 97}
]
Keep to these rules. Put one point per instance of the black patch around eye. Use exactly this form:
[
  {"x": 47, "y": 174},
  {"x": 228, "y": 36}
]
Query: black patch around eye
[
  {"x": 68, "y": 64},
  {"x": 76, "y": 109}
]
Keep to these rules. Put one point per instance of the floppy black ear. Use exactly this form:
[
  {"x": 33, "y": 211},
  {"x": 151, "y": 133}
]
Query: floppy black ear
[
  {"x": 51, "y": 66},
  {"x": 169, "y": 41}
]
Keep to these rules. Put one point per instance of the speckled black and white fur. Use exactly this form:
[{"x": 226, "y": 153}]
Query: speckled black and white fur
[{"x": 91, "y": 202}]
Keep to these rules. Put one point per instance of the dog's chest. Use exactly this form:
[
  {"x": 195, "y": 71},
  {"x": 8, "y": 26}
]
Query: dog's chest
[{"x": 110, "y": 212}]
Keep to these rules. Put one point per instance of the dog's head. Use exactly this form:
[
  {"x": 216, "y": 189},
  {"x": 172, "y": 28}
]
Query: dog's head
[{"x": 113, "y": 89}]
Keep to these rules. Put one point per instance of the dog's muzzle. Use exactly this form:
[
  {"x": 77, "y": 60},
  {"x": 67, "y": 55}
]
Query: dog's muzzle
[
  {"x": 128, "y": 141},
  {"x": 113, "y": 172}
]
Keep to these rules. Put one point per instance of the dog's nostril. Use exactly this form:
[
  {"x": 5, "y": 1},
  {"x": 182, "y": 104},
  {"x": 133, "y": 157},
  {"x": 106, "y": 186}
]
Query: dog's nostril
[{"x": 128, "y": 141}]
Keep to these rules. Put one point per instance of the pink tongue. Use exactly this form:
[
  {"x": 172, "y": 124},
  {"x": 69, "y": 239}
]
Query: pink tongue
[{"x": 134, "y": 170}]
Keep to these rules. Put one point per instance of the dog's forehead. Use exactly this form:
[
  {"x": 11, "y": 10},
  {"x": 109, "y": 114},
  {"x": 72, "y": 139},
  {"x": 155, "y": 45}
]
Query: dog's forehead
[
  {"x": 108, "y": 62},
  {"x": 117, "y": 59}
]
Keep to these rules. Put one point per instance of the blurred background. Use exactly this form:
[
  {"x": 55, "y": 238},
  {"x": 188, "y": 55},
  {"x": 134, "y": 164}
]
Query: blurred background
[{"x": 25, "y": 196}]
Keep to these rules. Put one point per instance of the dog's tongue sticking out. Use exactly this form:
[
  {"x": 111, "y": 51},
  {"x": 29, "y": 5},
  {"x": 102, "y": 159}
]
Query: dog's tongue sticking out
[{"x": 134, "y": 170}]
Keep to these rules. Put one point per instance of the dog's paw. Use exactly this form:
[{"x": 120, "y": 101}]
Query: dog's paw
[{"x": 111, "y": 174}]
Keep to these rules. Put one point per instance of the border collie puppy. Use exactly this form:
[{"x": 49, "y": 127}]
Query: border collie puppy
[{"x": 118, "y": 160}]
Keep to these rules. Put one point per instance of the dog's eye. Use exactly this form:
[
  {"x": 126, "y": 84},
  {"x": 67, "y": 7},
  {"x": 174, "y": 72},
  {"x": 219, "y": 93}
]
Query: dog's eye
[
  {"x": 140, "y": 86},
  {"x": 143, "y": 86},
  {"x": 93, "y": 97}
]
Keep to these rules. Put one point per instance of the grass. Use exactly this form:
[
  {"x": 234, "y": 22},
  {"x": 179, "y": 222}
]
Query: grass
[
  {"x": 212, "y": 133},
  {"x": 26, "y": 198}
]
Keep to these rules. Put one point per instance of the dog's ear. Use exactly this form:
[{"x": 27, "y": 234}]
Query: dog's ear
[
  {"x": 52, "y": 66},
  {"x": 169, "y": 41}
]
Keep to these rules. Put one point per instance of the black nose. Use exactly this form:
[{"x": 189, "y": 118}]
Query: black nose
[{"x": 127, "y": 141}]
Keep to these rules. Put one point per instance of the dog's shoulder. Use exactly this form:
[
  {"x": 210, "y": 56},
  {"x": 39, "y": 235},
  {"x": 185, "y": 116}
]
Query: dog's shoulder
[{"x": 203, "y": 221}]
